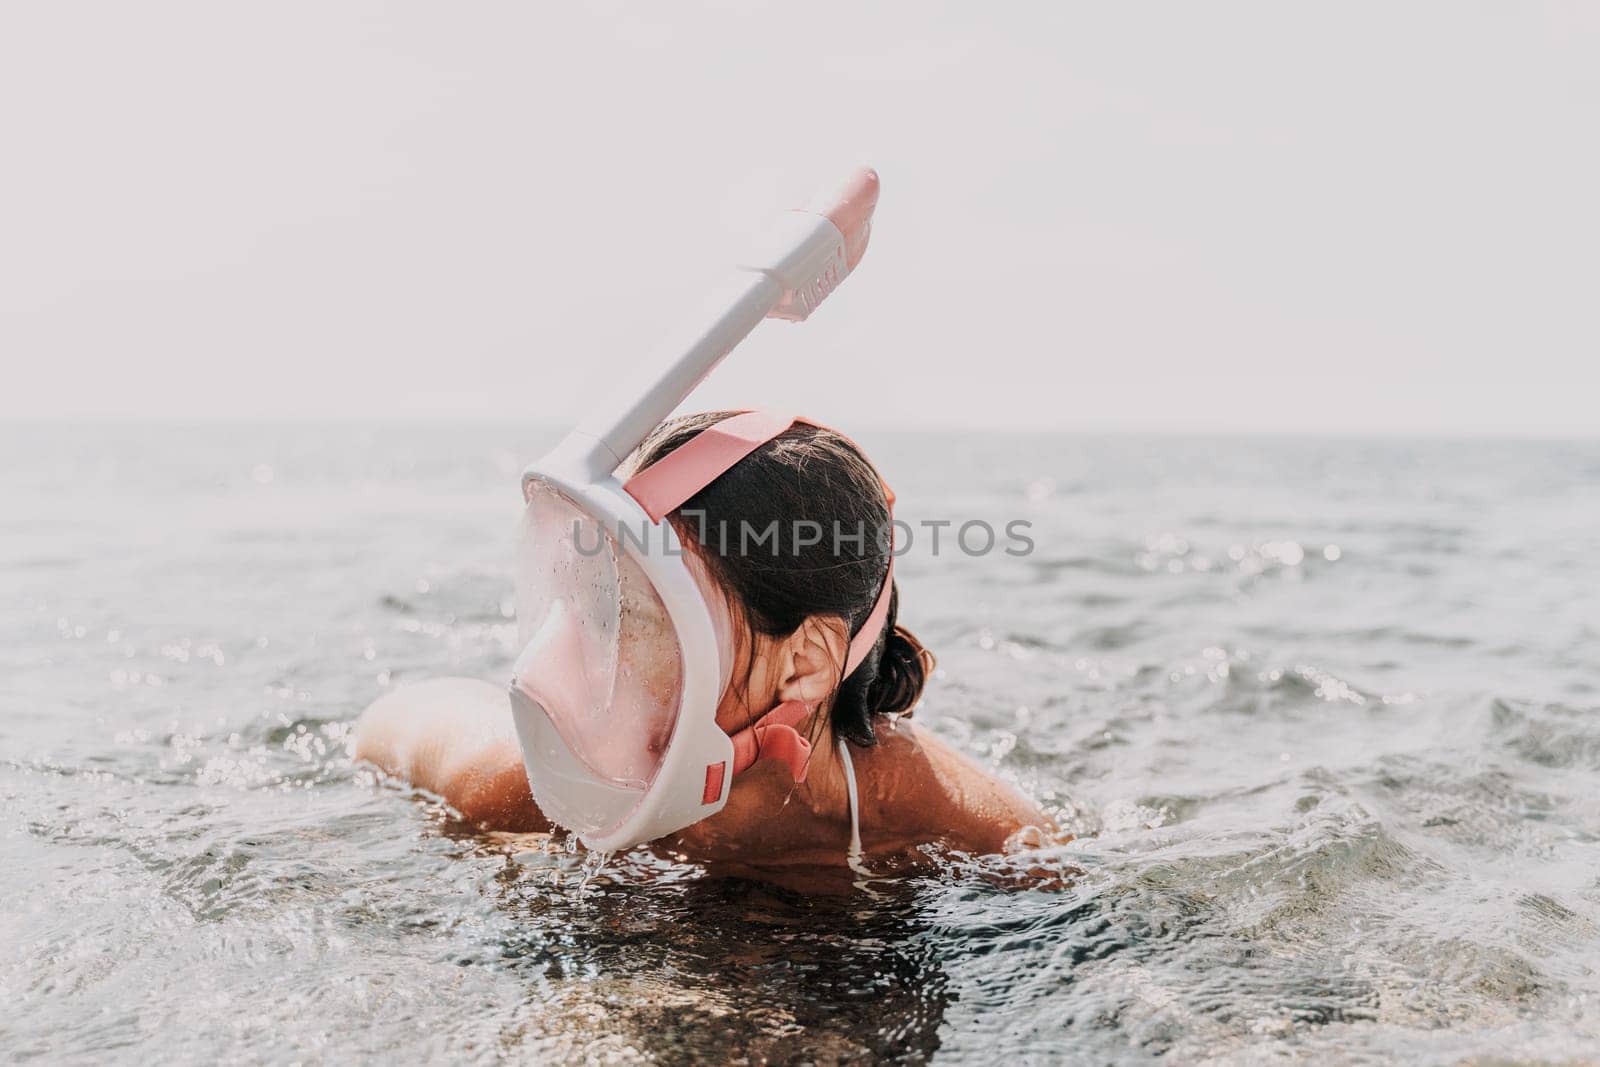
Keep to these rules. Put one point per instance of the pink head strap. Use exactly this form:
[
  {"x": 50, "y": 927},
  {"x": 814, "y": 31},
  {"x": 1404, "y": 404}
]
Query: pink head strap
[{"x": 666, "y": 484}]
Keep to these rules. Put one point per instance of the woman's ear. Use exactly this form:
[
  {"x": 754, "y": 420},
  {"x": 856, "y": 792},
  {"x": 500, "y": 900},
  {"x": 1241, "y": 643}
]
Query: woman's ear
[{"x": 812, "y": 658}]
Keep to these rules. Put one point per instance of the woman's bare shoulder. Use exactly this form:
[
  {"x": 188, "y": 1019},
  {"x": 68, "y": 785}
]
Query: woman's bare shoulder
[
  {"x": 434, "y": 694},
  {"x": 930, "y": 790},
  {"x": 453, "y": 737}
]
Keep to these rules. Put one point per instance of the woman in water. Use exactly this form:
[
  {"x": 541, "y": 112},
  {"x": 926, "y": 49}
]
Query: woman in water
[{"x": 794, "y": 607}]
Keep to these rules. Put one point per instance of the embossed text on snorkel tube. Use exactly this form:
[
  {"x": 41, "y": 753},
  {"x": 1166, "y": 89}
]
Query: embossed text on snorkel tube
[{"x": 973, "y": 537}]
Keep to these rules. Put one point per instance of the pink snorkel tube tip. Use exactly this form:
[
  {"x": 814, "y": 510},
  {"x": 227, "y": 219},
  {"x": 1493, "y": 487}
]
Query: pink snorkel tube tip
[{"x": 850, "y": 210}]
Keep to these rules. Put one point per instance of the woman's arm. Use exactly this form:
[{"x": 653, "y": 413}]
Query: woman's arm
[{"x": 453, "y": 737}]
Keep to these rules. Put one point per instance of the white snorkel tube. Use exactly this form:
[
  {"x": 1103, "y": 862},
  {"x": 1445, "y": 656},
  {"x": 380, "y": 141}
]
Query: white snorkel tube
[
  {"x": 805, "y": 258},
  {"x": 616, "y": 689}
]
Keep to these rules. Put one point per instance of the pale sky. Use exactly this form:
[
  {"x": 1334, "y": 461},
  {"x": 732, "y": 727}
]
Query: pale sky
[{"x": 1358, "y": 217}]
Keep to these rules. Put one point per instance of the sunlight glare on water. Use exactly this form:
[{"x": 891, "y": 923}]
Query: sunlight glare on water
[{"x": 1322, "y": 713}]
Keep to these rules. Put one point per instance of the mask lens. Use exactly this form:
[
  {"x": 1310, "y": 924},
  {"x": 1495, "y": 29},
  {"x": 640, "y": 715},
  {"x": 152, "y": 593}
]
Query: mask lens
[{"x": 600, "y": 679}]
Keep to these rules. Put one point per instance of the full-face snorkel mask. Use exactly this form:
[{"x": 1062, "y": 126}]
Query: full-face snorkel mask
[{"x": 624, "y": 659}]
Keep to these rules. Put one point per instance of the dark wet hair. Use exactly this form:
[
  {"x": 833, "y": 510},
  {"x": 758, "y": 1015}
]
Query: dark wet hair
[{"x": 804, "y": 474}]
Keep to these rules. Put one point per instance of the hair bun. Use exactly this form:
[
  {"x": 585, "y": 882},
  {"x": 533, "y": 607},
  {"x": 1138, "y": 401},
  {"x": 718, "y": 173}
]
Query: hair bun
[{"x": 903, "y": 669}]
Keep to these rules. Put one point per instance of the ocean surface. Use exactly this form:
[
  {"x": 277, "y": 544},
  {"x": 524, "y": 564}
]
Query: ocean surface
[{"x": 1323, "y": 714}]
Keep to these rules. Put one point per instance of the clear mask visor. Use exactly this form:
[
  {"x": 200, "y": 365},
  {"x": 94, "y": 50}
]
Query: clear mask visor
[{"x": 599, "y": 683}]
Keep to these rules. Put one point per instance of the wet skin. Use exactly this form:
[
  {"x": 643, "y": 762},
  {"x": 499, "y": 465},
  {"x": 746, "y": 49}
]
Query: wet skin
[{"x": 454, "y": 737}]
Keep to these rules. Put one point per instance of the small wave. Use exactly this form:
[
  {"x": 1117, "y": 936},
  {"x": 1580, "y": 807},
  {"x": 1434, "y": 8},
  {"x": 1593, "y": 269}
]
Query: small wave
[{"x": 1549, "y": 735}]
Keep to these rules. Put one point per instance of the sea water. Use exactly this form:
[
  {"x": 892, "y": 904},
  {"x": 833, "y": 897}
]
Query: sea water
[{"x": 1323, "y": 715}]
